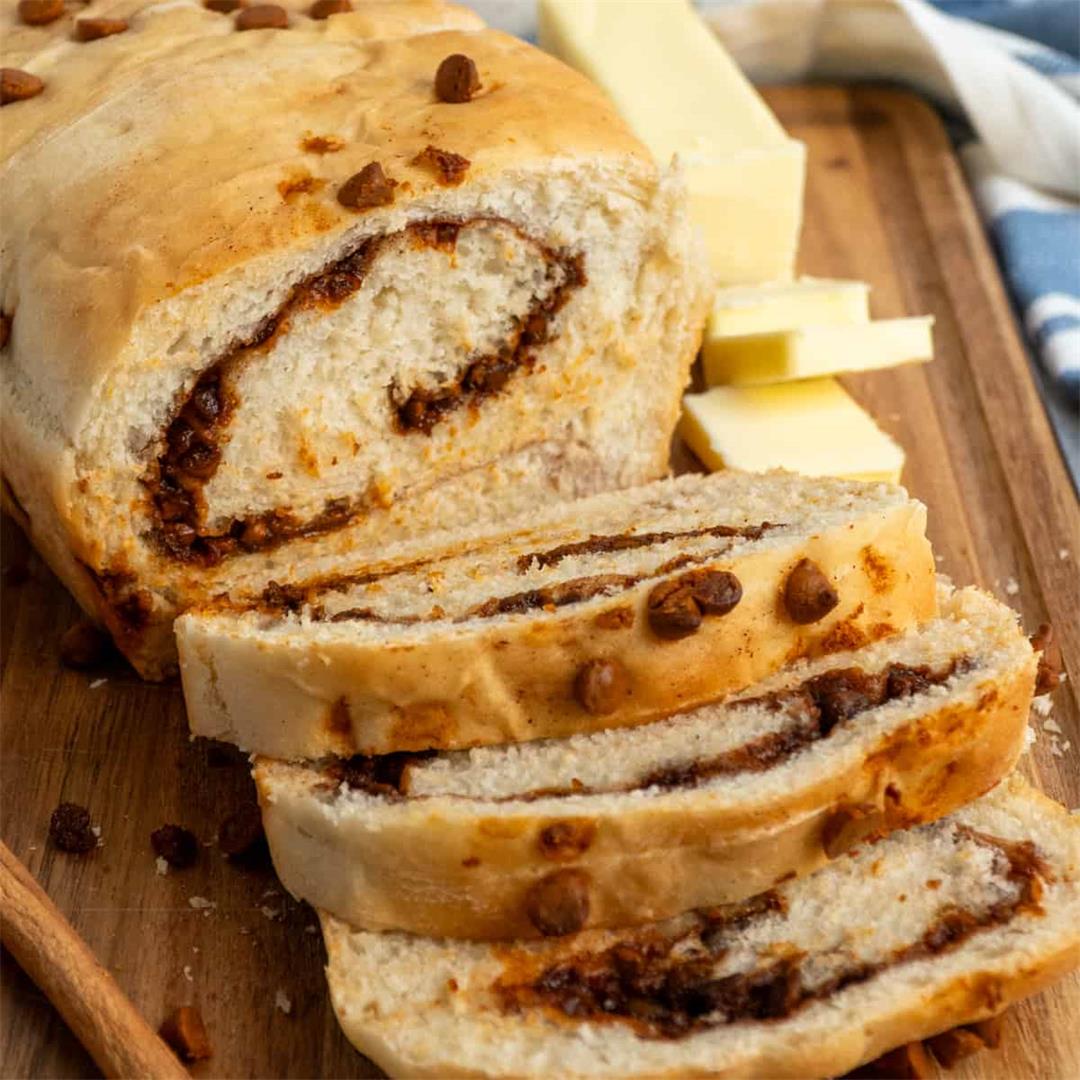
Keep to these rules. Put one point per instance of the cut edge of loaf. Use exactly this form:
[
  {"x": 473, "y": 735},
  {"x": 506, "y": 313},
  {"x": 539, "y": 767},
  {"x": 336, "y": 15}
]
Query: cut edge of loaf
[
  {"x": 447, "y": 860},
  {"x": 308, "y": 692},
  {"x": 423, "y": 1007}
]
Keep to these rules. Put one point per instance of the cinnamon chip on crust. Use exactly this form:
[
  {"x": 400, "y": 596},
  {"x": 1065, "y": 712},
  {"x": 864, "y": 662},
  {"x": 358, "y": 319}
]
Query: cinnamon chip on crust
[
  {"x": 223, "y": 7},
  {"x": 93, "y": 29},
  {"x": 449, "y": 168},
  {"x": 457, "y": 79},
  {"x": 40, "y": 12},
  {"x": 367, "y": 188},
  {"x": 323, "y": 9},
  {"x": 263, "y": 17},
  {"x": 18, "y": 85}
]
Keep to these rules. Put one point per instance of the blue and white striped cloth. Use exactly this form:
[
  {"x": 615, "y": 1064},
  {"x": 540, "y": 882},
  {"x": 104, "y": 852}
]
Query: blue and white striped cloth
[{"x": 1023, "y": 162}]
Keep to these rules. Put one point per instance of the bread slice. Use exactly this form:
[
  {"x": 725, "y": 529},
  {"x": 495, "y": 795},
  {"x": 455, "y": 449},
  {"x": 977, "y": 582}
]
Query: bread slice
[
  {"x": 572, "y": 621},
  {"x": 942, "y": 925},
  {"x": 708, "y": 807},
  {"x": 223, "y": 358}
]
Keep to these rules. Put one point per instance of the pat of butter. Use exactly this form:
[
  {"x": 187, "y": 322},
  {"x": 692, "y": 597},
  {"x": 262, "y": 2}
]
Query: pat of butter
[
  {"x": 810, "y": 351},
  {"x": 681, "y": 94},
  {"x": 787, "y": 305},
  {"x": 815, "y": 428}
]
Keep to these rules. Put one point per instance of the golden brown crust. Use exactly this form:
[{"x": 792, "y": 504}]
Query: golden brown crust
[{"x": 121, "y": 245}]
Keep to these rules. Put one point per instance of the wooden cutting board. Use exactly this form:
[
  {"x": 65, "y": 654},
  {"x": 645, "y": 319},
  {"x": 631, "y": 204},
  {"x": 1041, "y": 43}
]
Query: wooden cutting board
[{"x": 885, "y": 203}]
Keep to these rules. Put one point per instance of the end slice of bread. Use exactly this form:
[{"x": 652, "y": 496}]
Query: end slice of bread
[
  {"x": 611, "y": 611},
  {"x": 638, "y": 824},
  {"x": 941, "y": 925}
]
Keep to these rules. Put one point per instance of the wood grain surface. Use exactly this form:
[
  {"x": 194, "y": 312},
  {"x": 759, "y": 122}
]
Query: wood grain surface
[{"x": 885, "y": 203}]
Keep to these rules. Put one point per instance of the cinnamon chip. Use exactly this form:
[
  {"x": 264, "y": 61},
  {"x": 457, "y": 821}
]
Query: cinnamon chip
[
  {"x": 178, "y": 846},
  {"x": 558, "y": 903},
  {"x": 241, "y": 831},
  {"x": 70, "y": 829},
  {"x": 323, "y": 9},
  {"x": 93, "y": 29},
  {"x": 40, "y": 12},
  {"x": 367, "y": 188},
  {"x": 910, "y": 1062},
  {"x": 185, "y": 1032},
  {"x": 808, "y": 593},
  {"x": 262, "y": 17},
  {"x": 456, "y": 80},
  {"x": 449, "y": 168},
  {"x": 18, "y": 85},
  {"x": 601, "y": 686},
  {"x": 5, "y": 329},
  {"x": 223, "y": 7},
  {"x": 84, "y": 646},
  {"x": 1051, "y": 665}
]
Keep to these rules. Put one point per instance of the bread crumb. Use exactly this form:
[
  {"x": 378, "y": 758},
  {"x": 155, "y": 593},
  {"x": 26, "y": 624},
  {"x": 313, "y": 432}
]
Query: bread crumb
[
  {"x": 187, "y": 973},
  {"x": 1012, "y": 587},
  {"x": 311, "y": 929},
  {"x": 1030, "y": 735},
  {"x": 1042, "y": 706},
  {"x": 270, "y": 913},
  {"x": 162, "y": 866},
  {"x": 283, "y": 1002},
  {"x": 1052, "y": 725},
  {"x": 98, "y": 682},
  {"x": 200, "y": 903},
  {"x": 1063, "y": 554}
]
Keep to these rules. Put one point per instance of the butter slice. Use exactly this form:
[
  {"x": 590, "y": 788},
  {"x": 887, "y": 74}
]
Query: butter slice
[
  {"x": 681, "y": 94},
  {"x": 815, "y": 428},
  {"x": 787, "y": 305},
  {"x": 810, "y": 351}
]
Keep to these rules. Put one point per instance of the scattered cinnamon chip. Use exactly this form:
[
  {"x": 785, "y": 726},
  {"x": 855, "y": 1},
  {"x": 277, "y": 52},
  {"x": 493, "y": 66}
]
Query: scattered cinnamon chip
[
  {"x": 369, "y": 187},
  {"x": 989, "y": 1030},
  {"x": 93, "y": 29},
  {"x": 178, "y": 846},
  {"x": 85, "y": 646},
  {"x": 223, "y": 7},
  {"x": 1051, "y": 666},
  {"x": 952, "y": 1046},
  {"x": 18, "y": 85},
  {"x": 40, "y": 12},
  {"x": 449, "y": 168},
  {"x": 323, "y": 9},
  {"x": 241, "y": 831},
  {"x": 185, "y": 1032},
  {"x": 70, "y": 829},
  {"x": 910, "y": 1062},
  {"x": 456, "y": 80},
  {"x": 262, "y": 17}
]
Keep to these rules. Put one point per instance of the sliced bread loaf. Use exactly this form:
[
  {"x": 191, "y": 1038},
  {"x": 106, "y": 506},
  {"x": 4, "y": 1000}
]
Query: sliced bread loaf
[
  {"x": 636, "y": 824},
  {"x": 941, "y": 925},
  {"x": 365, "y": 297},
  {"x": 615, "y": 610}
]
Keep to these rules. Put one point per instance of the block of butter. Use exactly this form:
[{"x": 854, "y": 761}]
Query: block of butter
[
  {"x": 809, "y": 351},
  {"x": 682, "y": 94},
  {"x": 787, "y": 305},
  {"x": 814, "y": 427}
]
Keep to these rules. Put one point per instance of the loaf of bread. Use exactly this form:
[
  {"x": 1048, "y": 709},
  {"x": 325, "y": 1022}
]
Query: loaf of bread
[
  {"x": 637, "y": 824},
  {"x": 942, "y": 925},
  {"x": 277, "y": 285},
  {"x": 606, "y": 612}
]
